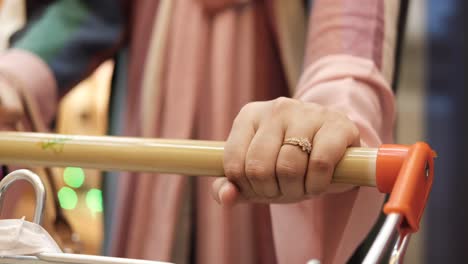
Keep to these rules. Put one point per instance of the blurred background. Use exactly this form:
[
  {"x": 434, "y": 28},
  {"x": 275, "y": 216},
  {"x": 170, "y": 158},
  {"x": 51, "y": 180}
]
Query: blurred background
[
  {"x": 78, "y": 192},
  {"x": 431, "y": 101},
  {"x": 431, "y": 107}
]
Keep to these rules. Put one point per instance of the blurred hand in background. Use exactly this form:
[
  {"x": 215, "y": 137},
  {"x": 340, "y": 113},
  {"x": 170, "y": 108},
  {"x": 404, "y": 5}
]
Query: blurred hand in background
[{"x": 11, "y": 109}]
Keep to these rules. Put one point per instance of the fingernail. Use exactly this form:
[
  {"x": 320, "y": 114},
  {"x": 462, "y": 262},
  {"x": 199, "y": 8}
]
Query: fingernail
[{"x": 222, "y": 190}]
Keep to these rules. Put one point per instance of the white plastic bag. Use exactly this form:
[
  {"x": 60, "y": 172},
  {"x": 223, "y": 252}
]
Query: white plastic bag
[{"x": 20, "y": 237}]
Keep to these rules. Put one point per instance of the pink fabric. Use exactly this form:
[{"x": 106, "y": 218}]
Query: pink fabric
[
  {"x": 217, "y": 5},
  {"x": 237, "y": 76},
  {"x": 356, "y": 87},
  {"x": 202, "y": 93},
  {"x": 347, "y": 27}
]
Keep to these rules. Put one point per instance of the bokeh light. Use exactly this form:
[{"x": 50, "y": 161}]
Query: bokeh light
[
  {"x": 94, "y": 200},
  {"x": 74, "y": 177},
  {"x": 67, "y": 198}
]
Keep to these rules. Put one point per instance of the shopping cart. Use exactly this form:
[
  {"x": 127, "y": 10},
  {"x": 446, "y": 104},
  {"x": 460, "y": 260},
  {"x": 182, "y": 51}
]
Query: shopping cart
[
  {"x": 403, "y": 172},
  {"x": 31, "y": 237}
]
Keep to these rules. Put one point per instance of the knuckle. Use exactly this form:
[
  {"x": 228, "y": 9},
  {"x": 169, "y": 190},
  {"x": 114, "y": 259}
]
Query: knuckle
[
  {"x": 245, "y": 111},
  {"x": 249, "y": 107},
  {"x": 245, "y": 114},
  {"x": 282, "y": 103},
  {"x": 233, "y": 170},
  {"x": 257, "y": 171},
  {"x": 288, "y": 169},
  {"x": 321, "y": 164}
]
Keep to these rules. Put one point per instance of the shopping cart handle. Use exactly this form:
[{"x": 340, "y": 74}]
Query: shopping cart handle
[{"x": 189, "y": 157}]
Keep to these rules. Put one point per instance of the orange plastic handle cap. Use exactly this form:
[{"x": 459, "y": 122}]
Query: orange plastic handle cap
[{"x": 412, "y": 186}]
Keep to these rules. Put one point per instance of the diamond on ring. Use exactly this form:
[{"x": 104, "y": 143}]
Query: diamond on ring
[{"x": 303, "y": 143}]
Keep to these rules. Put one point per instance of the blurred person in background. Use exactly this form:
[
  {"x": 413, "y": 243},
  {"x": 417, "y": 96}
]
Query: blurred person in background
[{"x": 221, "y": 70}]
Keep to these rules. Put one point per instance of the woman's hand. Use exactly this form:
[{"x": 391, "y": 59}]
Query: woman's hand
[{"x": 260, "y": 168}]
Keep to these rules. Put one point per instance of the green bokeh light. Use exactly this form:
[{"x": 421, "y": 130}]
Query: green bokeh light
[
  {"x": 67, "y": 198},
  {"x": 73, "y": 177},
  {"x": 94, "y": 200}
]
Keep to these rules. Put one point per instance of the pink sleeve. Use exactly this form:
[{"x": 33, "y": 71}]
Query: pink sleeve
[
  {"x": 33, "y": 79},
  {"x": 354, "y": 86}
]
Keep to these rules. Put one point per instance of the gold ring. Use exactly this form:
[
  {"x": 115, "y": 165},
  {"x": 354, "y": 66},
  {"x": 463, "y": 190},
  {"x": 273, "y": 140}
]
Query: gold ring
[{"x": 303, "y": 143}]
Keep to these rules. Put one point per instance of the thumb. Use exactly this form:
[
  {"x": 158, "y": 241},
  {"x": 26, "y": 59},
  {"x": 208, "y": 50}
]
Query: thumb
[{"x": 225, "y": 192}]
